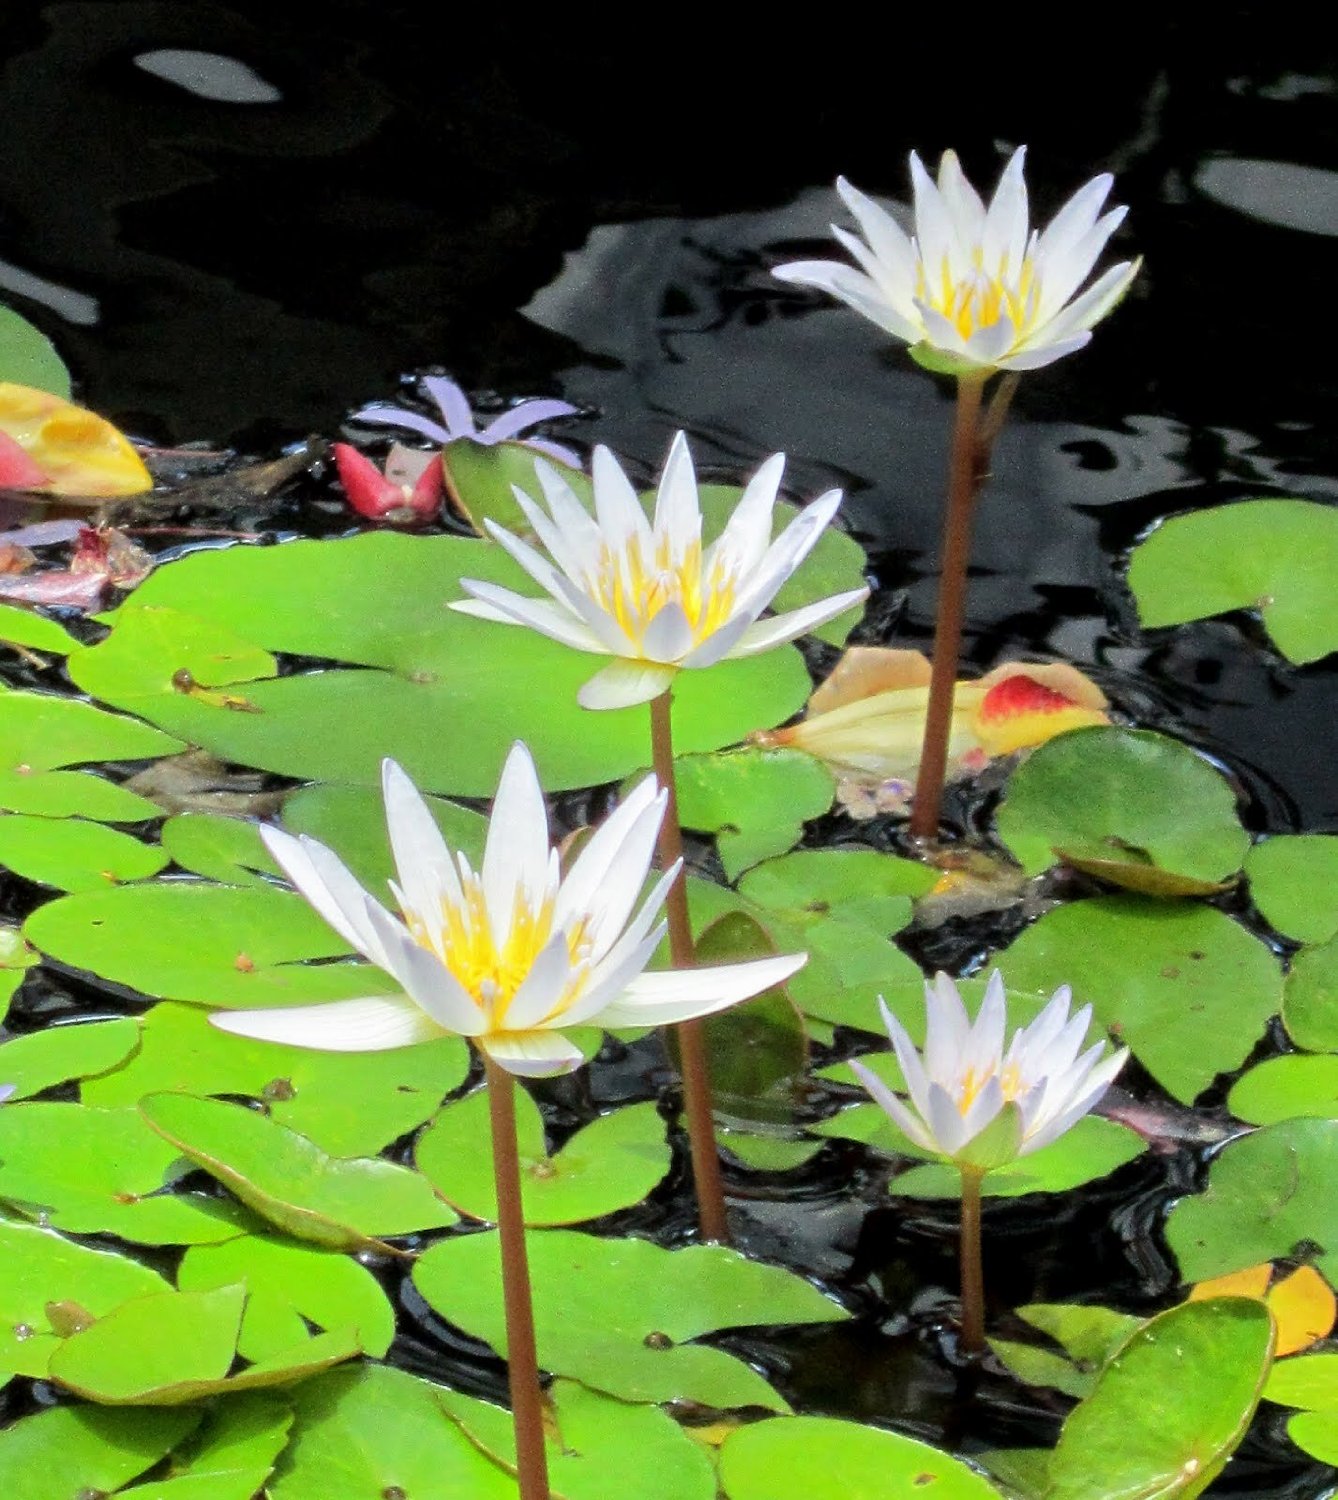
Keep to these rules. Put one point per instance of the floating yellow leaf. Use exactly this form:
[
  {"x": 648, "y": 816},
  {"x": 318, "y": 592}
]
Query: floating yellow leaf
[
  {"x": 69, "y": 450},
  {"x": 1302, "y": 1303}
]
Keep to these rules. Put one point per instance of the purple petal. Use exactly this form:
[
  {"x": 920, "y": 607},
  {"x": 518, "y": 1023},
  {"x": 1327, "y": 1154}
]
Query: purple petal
[
  {"x": 453, "y": 405},
  {"x": 526, "y": 414},
  {"x": 399, "y": 416}
]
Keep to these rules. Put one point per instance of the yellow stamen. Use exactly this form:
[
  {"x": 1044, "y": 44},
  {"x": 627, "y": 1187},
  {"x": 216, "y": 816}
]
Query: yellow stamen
[{"x": 633, "y": 589}]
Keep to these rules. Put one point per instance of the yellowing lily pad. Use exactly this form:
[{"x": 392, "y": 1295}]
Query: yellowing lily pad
[{"x": 1302, "y": 1302}]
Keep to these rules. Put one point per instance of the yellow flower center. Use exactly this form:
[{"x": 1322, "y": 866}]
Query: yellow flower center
[
  {"x": 981, "y": 297},
  {"x": 975, "y": 1079},
  {"x": 633, "y": 588},
  {"x": 491, "y": 971}
]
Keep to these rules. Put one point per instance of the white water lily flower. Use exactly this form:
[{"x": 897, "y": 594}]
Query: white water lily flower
[
  {"x": 975, "y": 1104},
  {"x": 512, "y": 953},
  {"x": 649, "y": 593},
  {"x": 976, "y": 289}
]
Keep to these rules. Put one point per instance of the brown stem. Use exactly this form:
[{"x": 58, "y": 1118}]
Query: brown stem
[
  {"x": 963, "y": 484},
  {"x": 522, "y": 1360},
  {"x": 973, "y": 1279},
  {"x": 705, "y": 1153}
]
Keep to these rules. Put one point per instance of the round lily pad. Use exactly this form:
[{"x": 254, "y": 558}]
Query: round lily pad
[
  {"x": 42, "y": 1059},
  {"x": 86, "y": 1450},
  {"x": 1087, "y": 1336},
  {"x": 229, "y": 1456},
  {"x": 73, "y": 855},
  {"x": 1281, "y": 1088},
  {"x": 1294, "y": 882},
  {"x": 1310, "y": 998}
]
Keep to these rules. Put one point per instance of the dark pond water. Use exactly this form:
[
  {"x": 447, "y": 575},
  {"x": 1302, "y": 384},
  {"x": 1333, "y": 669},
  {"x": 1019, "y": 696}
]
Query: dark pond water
[{"x": 238, "y": 224}]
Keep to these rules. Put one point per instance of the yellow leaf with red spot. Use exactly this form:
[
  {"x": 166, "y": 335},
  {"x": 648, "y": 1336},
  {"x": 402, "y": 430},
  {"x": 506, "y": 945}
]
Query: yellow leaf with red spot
[{"x": 75, "y": 451}]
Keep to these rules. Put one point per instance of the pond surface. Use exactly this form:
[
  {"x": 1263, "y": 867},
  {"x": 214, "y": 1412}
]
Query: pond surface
[{"x": 237, "y": 229}]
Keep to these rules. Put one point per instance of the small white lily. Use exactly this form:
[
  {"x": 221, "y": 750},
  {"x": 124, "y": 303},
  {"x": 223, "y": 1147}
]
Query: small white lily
[
  {"x": 976, "y": 289},
  {"x": 975, "y": 1104},
  {"x": 507, "y": 955},
  {"x": 649, "y": 592}
]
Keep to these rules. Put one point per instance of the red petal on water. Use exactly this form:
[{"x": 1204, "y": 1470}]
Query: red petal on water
[{"x": 368, "y": 490}]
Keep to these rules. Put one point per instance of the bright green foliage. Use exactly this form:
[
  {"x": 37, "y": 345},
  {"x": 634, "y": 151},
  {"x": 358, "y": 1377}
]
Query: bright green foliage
[
  {"x": 291, "y": 1285},
  {"x": 819, "y": 1458},
  {"x": 1169, "y": 1408},
  {"x": 218, "y": 847},
  {"x": 28, "y": 357},
  {"x": 1087, "y": 1338},
  {"x": 348, "y": 1103},
  {"x": 1133, "y": 806},
  {"x": 1269, "y": 1195},
  {"x": 42, "y": 1059},
  {"x": 42, "y": 732},
  {"x": 16, "y": 958},
  {"x": 229, "y": 1456},
  {"x": 25, "y": 627},
  {"x": 1294, "y": 882},
  {"x": 480, "y": 476},
  {"x": 345, "y": 1204},
  {"x": 617, "y": 1314},
  {"x": 1310, "y": 998},
  {"x": 755, "y": 801},
  {"x": 85, "y": 1450},
  {"x": 371, "y": 1432},
  {"x": 73, "y": 855},
  {"x": 1280, "y": 1088},
  {"x": 1277, "y": 556},
  {"x": 1186, "y": 987},
  {"x": 598, "y": 1448},
  {"x": 611, "y": 1163},
  {"x": 1309, "y": 1381}
]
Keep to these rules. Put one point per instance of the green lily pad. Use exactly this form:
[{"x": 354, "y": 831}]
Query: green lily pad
[
  {"x": 1186, "y": 987},
  {"x": 42, "y": 1059},
  {"x": 610, "y": 1164},
  {"x": 1087, "y": 1338},
  {"x": 174, "y": 1347},
  {"x": 72, "y": 794},
  {"x": 1294, "y": 882},
  {"x": 209, "y": 944},
  {"x": 228, "y": 1457},
  {"x": 25, "y": 627},
  {"x": 28, "y": 357},
  {"x": 103, "y": 1171},
  {"x": 1206, "y": 1362},
  {"x": 86, "y": 1450},
  {"x": 44, "y": 1272},
  {"x": 40, "y": 732},
  {"x": 1105, "y": 798},
  {"x": 1316, "y": 1433},
  {"x": 1310, "y": 998},
  {"x": 291, "y": 1286},
  {"x": 372, "y": 1432},
  {"x": 480, "y": 476},
  {"x": 1309, "y": 1381},
  {"x": 1277, "y": 556},
  {"x": 617, "y": 1314},
  {"x": 218, "y": 847},
  {"x": 821, "y": 1458},
  {"x": 755, "y": 801},
  {"x": 342, "y": 1203},
  {"x": 73, "y": 855},
  {"x": 407, "y": 674},
  {"x": 1269, "y": 1196},
  {"x": 1282, "y": 1088},
  {"x": 348, "y": 1103},
  {"x": 598, "y": 1448},
  {"x": 16, "y": 958}
]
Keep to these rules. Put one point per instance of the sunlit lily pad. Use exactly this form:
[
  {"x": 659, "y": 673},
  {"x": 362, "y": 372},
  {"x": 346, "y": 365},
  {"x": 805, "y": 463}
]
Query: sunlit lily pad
[
  {"x": 229, "y": 1456},
  {"x": 754, "y": 801},
  {"x": 174, "y": 1347},
  {"x": 1310, "y": 998},
  {"x": 40, "y": 732},
  {"x": 218, "y": 847},
  {"x": 86, "y": 1450},
  {"x": 341, "y": 1203},
  {"x": 611, "y": 1163},
  {"x": 210, "y": 944},
  {"x": 1310, "y": 1382},
  {"x": 25, "y": 627},
  {"x": 480, "y": 476},
  {"x": 1186, "y": 987},
  {"x": 73, "y": 855},
  {"x": 42, "y": 1059},
  {"x": 1206, "y": 1363},
  {"x": 820, "y": 1458},
  {"x": 1269, "y": 1196},
  {"x": 291, "y": 1286},
  {"x": 72, "y": 794},
  {"x": 44, "y": 1273},
  {"x": 1302, "y": 1302},
  {"x": 1275, "y": 556},
  {"x": 94, "y": 1171},
  {"x": 1280, "y": 1088},
  {"x": 16, "y": 958},
  {"x": 442, "y": 693},
  {"x": 1126, "y": 804},
  {"x": 1294, "y": 882},
  {"x": 372, "y": 1432},
  {"x": 1087, "y": 1337},
  {"x": 348, "y": 1103},
  {"x": 599, "y": 1448},
  {"x": 618, "y": 1314}
]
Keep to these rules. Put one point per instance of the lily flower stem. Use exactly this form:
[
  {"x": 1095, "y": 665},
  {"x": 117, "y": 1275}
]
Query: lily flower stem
[
  {"x": 973, "y": 1280},
  {"x": 683, "y": 954},
  {"x": 522, "y": 1359},
  {"x": 964, "y": 477}
]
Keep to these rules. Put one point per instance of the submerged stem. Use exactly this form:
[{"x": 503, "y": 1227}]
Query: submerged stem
[
  {"x": 522, "y": 1360},
  {"x": 973, "y": 1278},
  {"x": 683, "y": 953}
]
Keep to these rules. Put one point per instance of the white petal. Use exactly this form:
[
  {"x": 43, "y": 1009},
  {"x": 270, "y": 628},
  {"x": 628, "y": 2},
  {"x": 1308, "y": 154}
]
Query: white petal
[
  {"x": 667, "y": 637},
  {"x": 720, "y": 643},
  {"x": 893, "y": 1108},
  {"x": 1097, "y": 1085},
  {"x": 422, "y": 860},
  {"x": 624, "y": 683},
  {"x": 603, "y": 884},
  {"x": 1038, "y": 356},
  {"x": 532, "y": 1054},
  {"x": 785, "y": 554},
  {"x": 541, "y": 989},
  {"x": 941, "y": 332},
  {"x": 961, "y": 200},
  {"x": 912, "y": 1069},
  {"x": 516, "y": 855},
  {"x": 947, "y": 1029},
  {"x": 762, "y": 635},
  {"x": 747, "y": 533},
  {"x": 631, "y": 937},
  {"x": 1074, "y": 220},
  {"x": 989, "y": 344},
  {"x": 580, "y": 533},
  {"x": 625, "y": 962},
  {"x": 889, "y": 243},
  {"x": 935, "y": 231},
  {"x": 1063, "y": 272},
  {"x": 427, "y": 981},
  {"x": 573, "y": 554},
  {"x": 945, "y": 1121},
  {"x": 677, "y": 513},
  {"x": 322, "y": 879},
  {"x": 984, "y": 1050},
  {"x": 374, "y": 1024},
  {"x": 617, "y": 508},
  {"x": 1004, "y": 235},
  {"x": 1090, "y": 308},
  {"x": 854, "y": 289},
  {"x": 663, "y": 998},
  {"x": 548, "y": 618}
]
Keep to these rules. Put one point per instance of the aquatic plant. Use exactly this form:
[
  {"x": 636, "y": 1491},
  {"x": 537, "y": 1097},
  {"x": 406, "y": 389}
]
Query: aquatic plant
[
  {"x": 974, "y": 291},
  {"x": 391, "y": 495}
]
